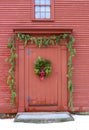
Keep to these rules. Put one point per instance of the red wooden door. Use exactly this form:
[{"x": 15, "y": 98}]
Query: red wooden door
[{"x": 42, "y": 95}]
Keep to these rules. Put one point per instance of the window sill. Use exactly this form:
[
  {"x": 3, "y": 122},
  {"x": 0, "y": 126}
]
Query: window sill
[{"x": 43, "y": 20}]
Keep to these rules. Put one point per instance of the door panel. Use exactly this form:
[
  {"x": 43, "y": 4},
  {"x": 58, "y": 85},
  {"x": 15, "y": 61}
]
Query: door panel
[{"x": 41, "y": 95}]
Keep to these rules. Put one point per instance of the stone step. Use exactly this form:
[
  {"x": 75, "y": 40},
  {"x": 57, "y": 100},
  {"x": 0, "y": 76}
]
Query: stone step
[{"x": 43, "y": 117}]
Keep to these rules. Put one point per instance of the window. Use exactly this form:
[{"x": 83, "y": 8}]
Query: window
[{"x": 43, "y": 9}]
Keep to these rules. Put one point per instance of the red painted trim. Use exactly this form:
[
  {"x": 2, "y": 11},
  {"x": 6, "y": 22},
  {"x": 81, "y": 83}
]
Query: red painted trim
[
  {"x": 41, "y": 109},
  {"x": 21, "y": 79},
  {"x": 32, "y": 9},
  {"x": 59, "y": 79},
  {"x": 17, "y": 74},
  {"x": 52, "y": 9},
  {"x": 42, "y": 31},
  {"x": 64, "y": 100},
  {"x": 26, "y": 78}
]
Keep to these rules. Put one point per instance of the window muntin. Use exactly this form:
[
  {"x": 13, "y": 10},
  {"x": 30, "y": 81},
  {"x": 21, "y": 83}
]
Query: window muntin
[{"x": 42, "y": 9}]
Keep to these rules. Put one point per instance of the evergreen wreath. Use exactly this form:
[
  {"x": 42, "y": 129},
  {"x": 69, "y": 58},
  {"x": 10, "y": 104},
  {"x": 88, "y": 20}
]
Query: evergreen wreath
[{"x": 42, "y": 68}]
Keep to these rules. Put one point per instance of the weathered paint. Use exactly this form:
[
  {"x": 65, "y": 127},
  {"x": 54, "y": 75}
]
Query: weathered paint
[{"x": 72, "y": 14}]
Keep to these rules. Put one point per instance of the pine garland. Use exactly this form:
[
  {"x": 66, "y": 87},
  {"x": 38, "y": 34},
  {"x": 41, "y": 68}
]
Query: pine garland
[{"x": 41, "y": 41}]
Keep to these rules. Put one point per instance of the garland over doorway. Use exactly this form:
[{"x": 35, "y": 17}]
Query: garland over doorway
[{"x": 41, "y": 42}]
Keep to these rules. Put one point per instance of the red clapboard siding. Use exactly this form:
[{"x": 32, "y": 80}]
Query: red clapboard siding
[
  {"x": 68, "y": 14},
  {"x": 81, "y": 77}
]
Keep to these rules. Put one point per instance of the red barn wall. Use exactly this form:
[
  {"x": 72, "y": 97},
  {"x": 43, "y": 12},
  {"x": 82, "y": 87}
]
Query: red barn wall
[{"x": 72, "y": 14}]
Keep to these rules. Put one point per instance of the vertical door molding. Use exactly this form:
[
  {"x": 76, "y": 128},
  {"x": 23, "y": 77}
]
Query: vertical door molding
[
  {"x": 26, "y": 69},
  {"x": 64, "y": 104},
  {"x": 59, "y": 79},
  {"x": 21, "y": 79}
]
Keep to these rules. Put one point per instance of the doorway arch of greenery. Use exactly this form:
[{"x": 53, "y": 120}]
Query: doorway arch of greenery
[{"x": 40, "y": 42}]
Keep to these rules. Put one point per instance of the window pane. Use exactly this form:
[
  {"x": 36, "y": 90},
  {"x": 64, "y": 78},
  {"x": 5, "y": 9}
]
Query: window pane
[
  {"x": 37, "y": 8},
  {"x": 37, "y": 15},
  {"x": 47, "y": 1},
  {"x": 42, "y": 2},
  {"x": 37, "y": 1},
  {"x": 42, "y": 15},
  {"x": 47, "y": 15},
  {"x": 47, "y": 8},
  {"x": 43, "y": 8}
]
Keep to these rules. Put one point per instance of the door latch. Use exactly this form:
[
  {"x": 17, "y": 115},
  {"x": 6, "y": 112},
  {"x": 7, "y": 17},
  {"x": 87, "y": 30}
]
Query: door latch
[
  {"x": 28, "y": 52},
  {"x": 28, "y": 99}
]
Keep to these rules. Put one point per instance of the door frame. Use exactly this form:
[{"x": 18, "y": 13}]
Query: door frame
[{"x": 20, "y": 83}]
